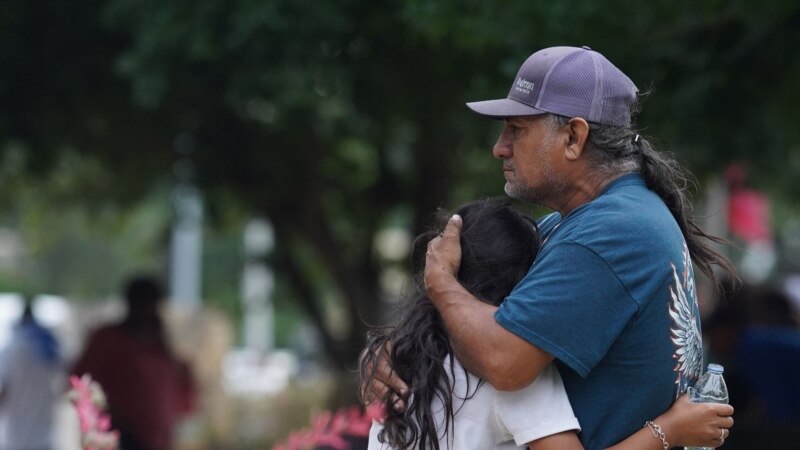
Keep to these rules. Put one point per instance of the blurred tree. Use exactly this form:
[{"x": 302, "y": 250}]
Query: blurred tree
[
  {"x": 303, "y": 110},
  {"x": 333, "y": 119}
]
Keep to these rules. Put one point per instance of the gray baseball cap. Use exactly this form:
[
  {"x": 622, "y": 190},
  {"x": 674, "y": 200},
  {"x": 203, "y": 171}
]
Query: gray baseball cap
[{"x": 568, "y": 81}]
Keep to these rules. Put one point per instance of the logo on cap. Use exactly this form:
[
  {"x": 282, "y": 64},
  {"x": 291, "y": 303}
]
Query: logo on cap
[{"x": 524, "y": 85}]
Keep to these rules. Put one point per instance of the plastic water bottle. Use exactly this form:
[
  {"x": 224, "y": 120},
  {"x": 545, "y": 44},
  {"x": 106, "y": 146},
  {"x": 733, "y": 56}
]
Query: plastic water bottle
[{"x": 710, "y": 388}]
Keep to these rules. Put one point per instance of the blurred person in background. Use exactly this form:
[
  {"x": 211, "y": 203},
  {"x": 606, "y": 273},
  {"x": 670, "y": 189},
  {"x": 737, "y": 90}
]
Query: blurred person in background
[
  {"x": 32, "y": 379},
  {"x": 149, "y": 389},
  {"x": 753, "y": 333},
  {"x": 750, "y": 225}
]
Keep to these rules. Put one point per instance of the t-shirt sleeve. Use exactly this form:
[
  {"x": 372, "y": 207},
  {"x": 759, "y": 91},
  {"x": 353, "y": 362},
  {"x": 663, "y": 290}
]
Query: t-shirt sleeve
[
  {"x": 570, "y": 304},
  {"x": 538, "y": 410}
]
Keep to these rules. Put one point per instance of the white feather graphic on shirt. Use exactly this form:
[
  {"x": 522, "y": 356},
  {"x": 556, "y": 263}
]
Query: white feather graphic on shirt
[{"x": 685, "y": 332}]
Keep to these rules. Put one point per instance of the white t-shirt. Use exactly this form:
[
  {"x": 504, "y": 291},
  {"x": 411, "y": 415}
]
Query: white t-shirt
[{"x": 491, "y": 419}]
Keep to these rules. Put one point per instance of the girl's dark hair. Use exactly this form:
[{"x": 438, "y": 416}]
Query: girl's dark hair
[
  {"x": 615, "y": 150},
  {"x": 498, "y": 246}
]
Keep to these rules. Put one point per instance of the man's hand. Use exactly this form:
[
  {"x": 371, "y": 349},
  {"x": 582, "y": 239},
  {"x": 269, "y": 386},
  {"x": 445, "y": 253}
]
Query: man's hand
[
  {"x": 384, "y": 381},
  {"x": 443, "y": 257}
]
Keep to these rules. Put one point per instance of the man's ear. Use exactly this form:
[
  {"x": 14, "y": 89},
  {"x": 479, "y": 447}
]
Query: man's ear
[{"x": 578, "y": 133}]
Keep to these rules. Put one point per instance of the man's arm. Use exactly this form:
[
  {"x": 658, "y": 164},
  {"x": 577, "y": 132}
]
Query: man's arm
[{"x": 483, "y": 346}]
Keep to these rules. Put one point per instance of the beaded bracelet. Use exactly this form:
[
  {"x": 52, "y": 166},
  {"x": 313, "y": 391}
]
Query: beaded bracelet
[{"x": 658, "y": 433}]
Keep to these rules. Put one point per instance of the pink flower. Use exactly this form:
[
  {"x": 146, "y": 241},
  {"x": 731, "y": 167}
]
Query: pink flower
[
  {"x": 330, "y": 429},
  {"x": 376, "y": 411},
  {"x": 95, "y": 424}
]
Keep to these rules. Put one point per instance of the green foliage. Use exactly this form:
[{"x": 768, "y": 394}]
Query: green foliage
[
  {"x": 75, "y": 245},
  {"x": 329, "y": 117}
]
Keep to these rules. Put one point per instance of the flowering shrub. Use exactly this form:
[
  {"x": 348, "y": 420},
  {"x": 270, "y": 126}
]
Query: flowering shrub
[
  {"x": 331, "y": 430},
  {"x": 95, "y": 423},
  {"x": 328, "y": 430}
]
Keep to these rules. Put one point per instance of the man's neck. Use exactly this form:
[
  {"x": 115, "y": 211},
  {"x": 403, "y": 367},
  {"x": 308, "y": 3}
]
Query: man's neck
[{"x": 583, "y": 190}]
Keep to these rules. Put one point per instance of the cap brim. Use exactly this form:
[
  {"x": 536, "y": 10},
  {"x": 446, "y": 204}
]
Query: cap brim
[{"x": 503, "y": 107}]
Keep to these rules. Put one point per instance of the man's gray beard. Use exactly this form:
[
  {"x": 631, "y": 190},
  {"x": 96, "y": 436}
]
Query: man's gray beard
[
  {"x": 540, "y": 195},
  {"x": 550, "y": 187}
]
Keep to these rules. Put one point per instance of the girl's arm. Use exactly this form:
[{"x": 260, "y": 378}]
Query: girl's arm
[{"x": 683, "y": 424}]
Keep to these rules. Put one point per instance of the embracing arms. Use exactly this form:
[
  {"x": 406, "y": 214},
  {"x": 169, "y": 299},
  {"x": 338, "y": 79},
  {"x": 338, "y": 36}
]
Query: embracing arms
[{"x": 483, "y": 346}]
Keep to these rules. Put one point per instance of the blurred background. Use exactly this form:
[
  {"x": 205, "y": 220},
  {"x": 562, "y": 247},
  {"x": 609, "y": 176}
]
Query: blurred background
[{"x": 272, "y": 160}]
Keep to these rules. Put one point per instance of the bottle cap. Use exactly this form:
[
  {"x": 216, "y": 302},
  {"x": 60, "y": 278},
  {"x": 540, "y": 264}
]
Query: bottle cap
[{"x": 715, "y": 368}]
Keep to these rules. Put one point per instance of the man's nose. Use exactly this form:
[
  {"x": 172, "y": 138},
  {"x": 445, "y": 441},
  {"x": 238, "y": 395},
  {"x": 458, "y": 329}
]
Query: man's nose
[{"x": 502, "y": 148}]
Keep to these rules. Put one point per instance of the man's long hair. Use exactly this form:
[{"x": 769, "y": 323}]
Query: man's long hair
[
  {"x": 498, "y": 247},
  {"x": 615, "y": 150}
]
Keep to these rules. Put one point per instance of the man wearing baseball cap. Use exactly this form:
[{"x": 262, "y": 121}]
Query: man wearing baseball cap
[{"x": 611, "y": 296}]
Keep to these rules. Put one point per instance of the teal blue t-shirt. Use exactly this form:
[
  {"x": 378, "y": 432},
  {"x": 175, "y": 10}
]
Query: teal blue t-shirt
[{"x": 611, "y": 296}]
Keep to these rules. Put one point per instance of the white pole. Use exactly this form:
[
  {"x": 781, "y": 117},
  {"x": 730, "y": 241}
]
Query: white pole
[
  {"x": 186, "y": 247},
  {"x": 258, "y": 282}
]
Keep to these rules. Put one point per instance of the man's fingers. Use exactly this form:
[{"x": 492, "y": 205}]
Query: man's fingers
[
  {"x": 377, "y": 391},
  {"x": 444, "y": 255},
  {"x": 385, "y": 381},
  {"x": 389, "y": 378},
  {"x": 453, "y": 227},
  {"x": 398, "y": 403}
]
